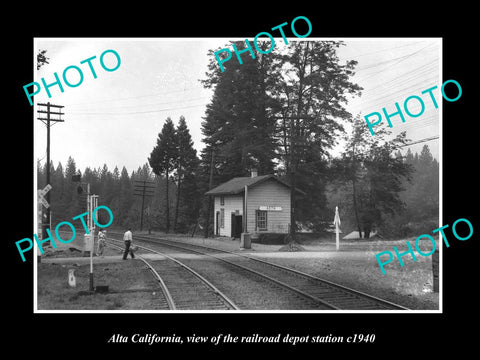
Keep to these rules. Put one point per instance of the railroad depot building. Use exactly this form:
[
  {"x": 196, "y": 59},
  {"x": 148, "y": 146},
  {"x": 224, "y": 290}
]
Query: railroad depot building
[{"x": 263, "y": 202}]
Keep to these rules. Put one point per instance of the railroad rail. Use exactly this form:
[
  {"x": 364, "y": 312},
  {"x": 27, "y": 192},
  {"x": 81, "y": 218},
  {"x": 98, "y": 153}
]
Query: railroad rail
[
  {"x": 297, "y": 297},
  {"x": 167, "y": 302},
  {"x": 330, "y": 295},
  {"x": 182, "y": 287}
]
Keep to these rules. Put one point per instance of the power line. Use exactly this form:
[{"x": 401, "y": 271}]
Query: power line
[
  {"x": 425, "y": 70},
  {"x": 389, "y": 49},
  {"x": 420, "y": 141},
  {"x": 385, "y": 62},
  {"x": 394, "y": 97},
  {"x": 182, "y": 100},
  {"x": 137, "y": 97},
  {"x": 398, "y": 95},
  {"x": 400, "y": 59},
  {"x": 375, "y": 65},
  {"x": 408, "y": 76},
  {"x": 409, "y": 82},
  {"x": 138, "y": 112}
]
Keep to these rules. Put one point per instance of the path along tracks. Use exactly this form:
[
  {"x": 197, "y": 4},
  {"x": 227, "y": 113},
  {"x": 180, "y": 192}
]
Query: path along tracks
[
  {"x": 182, "y": 288},
  {"x": 305, "y": 291}
]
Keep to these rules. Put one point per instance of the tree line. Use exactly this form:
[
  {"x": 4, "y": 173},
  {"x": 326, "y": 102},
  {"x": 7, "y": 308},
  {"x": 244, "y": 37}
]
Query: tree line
[
  {"x": 380, "y": 189},
  {"x": 175, "y": 199},
  {"x": 283, "y": 114},
  {"x": 418, "y": 213}
]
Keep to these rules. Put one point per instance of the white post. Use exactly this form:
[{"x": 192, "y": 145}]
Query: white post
[
  {"x": 337, "y": 237},
  {"x": 92, "y": 238},
  {"x": 245, "y": 240},
  {"x": 93, "y": 205},
  {"x": 337, "y": 223},
  {"x": 245, "y": 210}
]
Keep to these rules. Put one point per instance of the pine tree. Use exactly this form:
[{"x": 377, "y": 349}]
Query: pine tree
[
  {"x": 384, "y": 181},
  {"x": 162, "y": 160},
  {"x": 427, "y": 177},
  {"x": 125, "y": 198},
  {"x": 312, "y": 89},
  {"x": 239, "y": 125},
  {"x": 278, "y": 109},
  {"x": 186, "y": 166},
  {"x": 421, "y": 196},
  {"x": 73, "y": 200},
  {"x": 115, "y": 203},
  {"x": 105, "y": 188}
]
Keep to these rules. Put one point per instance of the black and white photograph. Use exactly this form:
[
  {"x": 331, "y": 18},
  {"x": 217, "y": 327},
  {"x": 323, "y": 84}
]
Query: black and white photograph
[
  {"x": 204, "y": 163},
  {"x": 289, "y": 181}
]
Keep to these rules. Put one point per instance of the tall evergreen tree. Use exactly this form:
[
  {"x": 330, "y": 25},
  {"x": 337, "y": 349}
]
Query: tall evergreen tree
[
  {"x": 72, "y": 199},
  {"x": 125, "y": 198},
  {"x": 105, "y": 188},
  {"x": 280, "y": 109},
  {"x": 162, "y": 160},
  {"x": 428, "y": 181},
  {"x": 239, "y": 125},
  {"x": 312, "y": 89},
  {"x": 186, "y": 166},
  {"x": 421, "y": 196}
]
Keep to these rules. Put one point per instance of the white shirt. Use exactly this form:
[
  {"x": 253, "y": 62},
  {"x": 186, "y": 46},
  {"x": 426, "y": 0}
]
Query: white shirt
[{"x": 127, "y": 235}]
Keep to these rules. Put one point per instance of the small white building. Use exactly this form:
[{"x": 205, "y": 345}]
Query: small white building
[{"x": 255, "y": 204}]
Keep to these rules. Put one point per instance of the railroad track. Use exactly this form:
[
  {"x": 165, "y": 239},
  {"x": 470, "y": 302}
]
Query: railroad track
[
  {"x": 294, "y": 297},
  {"x": 182, "y": 288},
  {"x": 326, "y": 294}
]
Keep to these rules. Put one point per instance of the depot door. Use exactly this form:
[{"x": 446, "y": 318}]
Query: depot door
[{"x": 236, "y": 226}]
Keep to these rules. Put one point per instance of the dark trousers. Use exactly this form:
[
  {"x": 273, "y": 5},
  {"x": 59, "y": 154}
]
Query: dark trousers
[{"x": 127, "y": 249}]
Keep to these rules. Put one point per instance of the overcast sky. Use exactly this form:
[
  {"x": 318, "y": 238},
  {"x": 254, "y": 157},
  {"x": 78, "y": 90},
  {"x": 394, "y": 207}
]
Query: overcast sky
[{"x": 115, "y": 119}]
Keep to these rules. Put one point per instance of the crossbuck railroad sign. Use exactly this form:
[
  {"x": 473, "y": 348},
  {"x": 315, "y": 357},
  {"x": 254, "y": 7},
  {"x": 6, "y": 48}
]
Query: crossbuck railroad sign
[{"x": 42, "y": 193}]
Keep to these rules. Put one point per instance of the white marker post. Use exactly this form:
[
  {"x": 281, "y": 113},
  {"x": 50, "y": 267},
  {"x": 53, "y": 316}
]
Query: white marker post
[
  {"x": 92, "y": 204},
  {"x": 337, "y": 224}
]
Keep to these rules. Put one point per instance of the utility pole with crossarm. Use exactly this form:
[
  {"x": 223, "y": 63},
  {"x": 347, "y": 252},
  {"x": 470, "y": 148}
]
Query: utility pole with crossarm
[
  {"x": 143, "y": 188},
  {"x": 49, "y": 122}
]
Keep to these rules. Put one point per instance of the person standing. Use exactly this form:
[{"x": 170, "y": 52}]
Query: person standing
[
  {"x": 101, "y": 242},
  {"x": 127, "y": 237}
]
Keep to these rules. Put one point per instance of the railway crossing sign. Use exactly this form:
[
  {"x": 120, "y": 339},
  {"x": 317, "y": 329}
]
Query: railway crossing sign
[
  {"x": 46, "y": 189},
  {"x": 42, "y": 193}
]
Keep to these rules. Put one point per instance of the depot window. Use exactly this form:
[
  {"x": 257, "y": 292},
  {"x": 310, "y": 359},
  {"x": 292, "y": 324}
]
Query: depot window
[{"x": 261, "y": 220}]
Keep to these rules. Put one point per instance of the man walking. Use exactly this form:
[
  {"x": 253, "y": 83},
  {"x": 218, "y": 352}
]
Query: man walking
[{"x": 127, "y": 237}]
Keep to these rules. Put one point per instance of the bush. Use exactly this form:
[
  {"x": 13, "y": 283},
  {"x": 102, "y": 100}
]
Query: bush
[
  {"x": 271, "y": 239},
  {"x": 399, "y": 229}
]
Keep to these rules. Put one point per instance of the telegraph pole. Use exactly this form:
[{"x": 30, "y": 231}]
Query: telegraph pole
[
  {"x": 143, "y": 188},
  {"x": 49, "y": 122}
]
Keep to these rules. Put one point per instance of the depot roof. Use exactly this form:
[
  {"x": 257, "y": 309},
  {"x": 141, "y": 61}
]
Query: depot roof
[{"x": 236, "y": 185}]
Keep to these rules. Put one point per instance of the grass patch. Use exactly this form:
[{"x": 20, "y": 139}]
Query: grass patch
[{"x": 54, "y": 292}]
